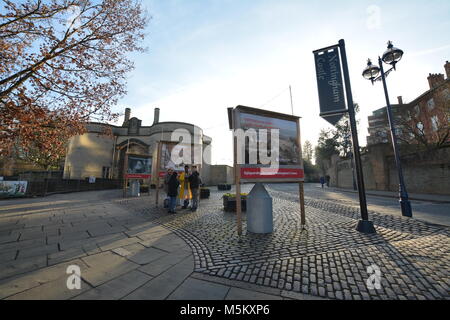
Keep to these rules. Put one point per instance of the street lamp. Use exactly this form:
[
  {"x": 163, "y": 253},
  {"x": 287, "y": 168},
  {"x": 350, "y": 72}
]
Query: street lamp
[{"x": 391, "y": 56}]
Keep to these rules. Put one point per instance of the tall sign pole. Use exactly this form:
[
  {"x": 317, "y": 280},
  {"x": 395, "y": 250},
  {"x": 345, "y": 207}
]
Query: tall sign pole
[
  {"x": 332, "y": 107},
  {"x": 364, "y": 225}
]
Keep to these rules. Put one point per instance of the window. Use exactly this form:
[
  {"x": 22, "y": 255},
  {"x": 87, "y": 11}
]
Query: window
[
  {"x": 434, "y": 123},
  {"x": 430, "y": 104},
  {"x": 408, "y": 116},
  {"x": 419, "y": 126},
  {"x": 105, "y": 172},
  {"x": 417, "y": 110}
]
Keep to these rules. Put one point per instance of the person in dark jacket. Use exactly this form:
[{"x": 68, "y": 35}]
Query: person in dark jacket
[
  {"x": 172, "y": 191},
  {"x": 322, "y": 181},
  {"x": 194, "y": 182}
]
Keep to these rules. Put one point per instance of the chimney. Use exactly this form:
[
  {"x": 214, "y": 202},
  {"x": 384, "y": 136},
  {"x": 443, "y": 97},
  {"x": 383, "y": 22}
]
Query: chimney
[
  {"x": 400, "y": 99},
  {"x": 127, "y": 114},
  {"x": 435, "y": 79},
  {"x": 447, "y": 69},
  {"x": 156, "y": 117}
]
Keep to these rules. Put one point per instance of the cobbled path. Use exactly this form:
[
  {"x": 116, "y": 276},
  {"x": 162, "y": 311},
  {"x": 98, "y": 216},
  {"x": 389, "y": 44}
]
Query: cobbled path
[{"x": 329, "y": 259}]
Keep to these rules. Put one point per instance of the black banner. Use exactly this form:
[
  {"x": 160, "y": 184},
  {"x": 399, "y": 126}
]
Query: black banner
[{"x": 330, "y": 84}]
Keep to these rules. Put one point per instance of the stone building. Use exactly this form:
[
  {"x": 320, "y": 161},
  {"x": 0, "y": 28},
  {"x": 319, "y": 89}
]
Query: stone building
[
  {"x": 102, "y": 156},
  {"x": 426, "y": 117}
]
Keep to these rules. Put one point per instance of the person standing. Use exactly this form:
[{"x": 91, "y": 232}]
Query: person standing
[
  {"x": 328, "y": 178},
  {"x": 322, "y": 181},
  {"x": 185, "y": 190},
  {"x": 194, "y": 182},
  {"x": 172, "y": 191},
  {"x": 166, "y": 186}
]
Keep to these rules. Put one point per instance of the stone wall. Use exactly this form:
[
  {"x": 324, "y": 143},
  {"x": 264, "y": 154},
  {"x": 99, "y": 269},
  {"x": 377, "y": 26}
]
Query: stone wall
[
  {"x": 423, "y": 172},
  {"x": 221, "y": 174}
]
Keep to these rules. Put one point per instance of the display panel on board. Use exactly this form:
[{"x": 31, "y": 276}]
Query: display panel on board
[
  {"x": 287, "y": 166},
  {"x": 139, "y": 167}
]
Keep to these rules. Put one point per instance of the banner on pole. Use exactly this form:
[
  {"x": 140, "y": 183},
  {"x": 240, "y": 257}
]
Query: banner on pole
[{"x": 329, "y": 83}]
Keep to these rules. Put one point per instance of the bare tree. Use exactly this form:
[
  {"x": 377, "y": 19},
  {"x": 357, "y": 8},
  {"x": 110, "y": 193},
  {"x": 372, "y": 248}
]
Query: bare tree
[{"x": 63, "y": 62}]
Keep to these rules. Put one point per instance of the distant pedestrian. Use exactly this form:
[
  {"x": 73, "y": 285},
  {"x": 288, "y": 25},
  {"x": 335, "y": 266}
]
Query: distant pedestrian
[
  {"x": 172, "y": 191},
  {"x": 322, "y": 181},
  {"x": 194, "y": 182},
  {"x": 166, "y": 187},
  {"x": 328, "y": 180}
]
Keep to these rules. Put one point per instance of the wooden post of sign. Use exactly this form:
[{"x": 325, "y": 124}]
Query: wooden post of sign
[
  {"x": 302, "y": 205},
  {"x": 300, "y": 184},
  {"x": 158, "y": 164},
  {"x": 237, "y": 180}
]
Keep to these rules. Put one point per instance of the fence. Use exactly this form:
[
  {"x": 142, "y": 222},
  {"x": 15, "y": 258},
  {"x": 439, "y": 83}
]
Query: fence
[{"x": 51, "y": 186}]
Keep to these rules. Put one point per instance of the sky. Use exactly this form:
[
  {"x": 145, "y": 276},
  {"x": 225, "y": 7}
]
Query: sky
[{"x": 207, "y": 55}]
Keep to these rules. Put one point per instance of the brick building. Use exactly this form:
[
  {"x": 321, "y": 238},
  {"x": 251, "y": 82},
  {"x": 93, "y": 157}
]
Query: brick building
[{"x": 423, "y": 120}]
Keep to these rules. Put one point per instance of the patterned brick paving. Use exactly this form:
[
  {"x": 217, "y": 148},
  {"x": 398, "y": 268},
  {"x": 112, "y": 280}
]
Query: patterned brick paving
[{"x": 330, "y": 259}]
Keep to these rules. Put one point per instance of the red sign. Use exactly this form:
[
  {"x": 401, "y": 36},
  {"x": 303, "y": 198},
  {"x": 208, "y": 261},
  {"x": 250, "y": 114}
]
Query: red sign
[
  {"x": 137, "y": 176},
  {"x": 264, "y": 173}
]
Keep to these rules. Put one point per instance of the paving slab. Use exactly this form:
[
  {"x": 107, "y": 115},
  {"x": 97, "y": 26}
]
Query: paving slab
[
  {"x": 116, "y": 288},
  {"x": 194, "y": 289},
  {"x": 67, "y": 255},
  {"x": 105, "y": 266},
  {"x": 299, "y": 296},
  {"x": 67, "y": 237},
  {"x": 14, "y": 267},
  {"x": 162, "y": 286},
  {"x": 22, "y": 244},
  {"x": 37, "y": 251},
  {"x": 8, "y": 256},
  {"x": 161, "y": 265},
  {"x": 108, "y": 244},
  {"x": 142, "y": 255},
  {"x": 53, "y": 290},
  {"x": 243, "y": 294},
  {"x": 36, "y": 277},
  {"x": 99, "y": 231}
]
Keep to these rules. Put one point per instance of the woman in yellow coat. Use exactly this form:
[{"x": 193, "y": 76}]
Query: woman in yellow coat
[{"x": 185, "y": 194}]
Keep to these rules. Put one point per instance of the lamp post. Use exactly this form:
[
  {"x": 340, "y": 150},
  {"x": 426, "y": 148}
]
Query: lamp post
[{"x": 391, "y": 56}]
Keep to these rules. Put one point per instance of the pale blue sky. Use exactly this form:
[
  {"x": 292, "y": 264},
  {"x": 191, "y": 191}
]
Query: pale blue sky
[{"x": 205, "y": 56}]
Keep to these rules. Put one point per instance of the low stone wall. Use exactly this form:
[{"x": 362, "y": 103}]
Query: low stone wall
[
  {"x": 423, "y": 172},
  {"x": 51, "y": 186}
]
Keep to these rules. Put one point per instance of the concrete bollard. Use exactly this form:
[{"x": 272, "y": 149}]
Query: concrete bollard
[{"x": 259, "y": 210}]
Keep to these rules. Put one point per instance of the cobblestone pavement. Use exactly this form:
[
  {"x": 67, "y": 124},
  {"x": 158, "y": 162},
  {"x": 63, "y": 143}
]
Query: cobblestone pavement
[
  {"x": 128, "y": 249},
  {"x": 329, "y": 260}
]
